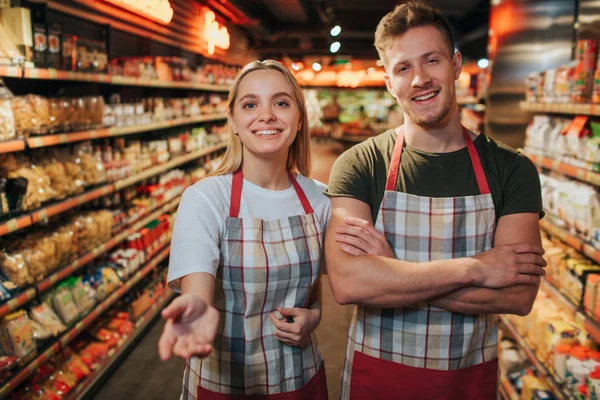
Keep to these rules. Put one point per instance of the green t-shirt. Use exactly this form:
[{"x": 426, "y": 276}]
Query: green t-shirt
[{"x": 361, "y": 173}]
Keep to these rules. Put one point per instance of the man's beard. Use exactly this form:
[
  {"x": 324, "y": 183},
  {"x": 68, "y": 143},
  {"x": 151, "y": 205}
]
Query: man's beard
[{"x": 430, "y": 120}]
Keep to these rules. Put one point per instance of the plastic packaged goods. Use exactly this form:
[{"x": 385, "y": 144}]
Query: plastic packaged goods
[
  {"x": 45, "y": 316},
  {"x": 7, "y": 120},
  {"x": 15, "y": 268},
  {"x": 16, "y": 335},
  {"x": 64, "y": 304},
  {"x": 83, "y": 295},
  {"x": 40, "y": 332}
]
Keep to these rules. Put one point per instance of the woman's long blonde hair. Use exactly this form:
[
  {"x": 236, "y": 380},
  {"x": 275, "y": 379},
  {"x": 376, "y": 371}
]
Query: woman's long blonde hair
[{"x": 299, "y": 153}]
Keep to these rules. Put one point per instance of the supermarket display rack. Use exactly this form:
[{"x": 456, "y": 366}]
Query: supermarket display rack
[
  {"x": 561, "y": 108},
  {"x": 155, "y": 258},
  {"x": 65, "y": 205},
  {"x": 582, "y": 174},
  {"x": 541, "y": 368},
  {"x": 141, "y": 326},
  {"x": 507, "y": 391}
]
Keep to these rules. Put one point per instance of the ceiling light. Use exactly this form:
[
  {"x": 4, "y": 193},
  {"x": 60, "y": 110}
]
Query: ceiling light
[
  {"x": 316, "y": 66},
  {"x": 335, "y": 46},
  {"x": 483, "y": 63},
  {"x": 336, "y": 30},
  {"x": 370, "y": 70},
  {"x": 379, "y": 63},
  {"x": 297, "y": 66}
]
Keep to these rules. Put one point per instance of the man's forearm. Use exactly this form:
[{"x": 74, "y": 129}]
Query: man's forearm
[
  {"x": 389, "y": 283},
  {"x": 516, "y": 299}
]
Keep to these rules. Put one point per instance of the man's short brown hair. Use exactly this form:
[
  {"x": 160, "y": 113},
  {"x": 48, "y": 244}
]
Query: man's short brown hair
[{"x": 412, "y": 14}]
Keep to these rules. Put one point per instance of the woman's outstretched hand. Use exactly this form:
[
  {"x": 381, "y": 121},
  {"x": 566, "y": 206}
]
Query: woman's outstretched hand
[{"x": 190, "y": 329}]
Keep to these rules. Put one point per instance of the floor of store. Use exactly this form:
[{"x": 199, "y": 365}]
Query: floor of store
[{"x": 143, "y": 376}]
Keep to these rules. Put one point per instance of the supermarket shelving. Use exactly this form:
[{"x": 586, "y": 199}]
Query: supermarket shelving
[
  {"x": 11, "y": 146},
  {"x": 141, "y": 325},
  {"x": 582, "y": 174},
  {"x": 83, "y": 324},
  {"x": 40, "y": 287},
  {"x": 506, "y": 389},
  {"x": 53, "y": 74},
  {"x": 562, "y": 108},
  {"x": 541, "y": 368},
  {"x": 63, "y": 138},
  {"x": 572, "y": 240},
  {"x": 42, "y": 214}
]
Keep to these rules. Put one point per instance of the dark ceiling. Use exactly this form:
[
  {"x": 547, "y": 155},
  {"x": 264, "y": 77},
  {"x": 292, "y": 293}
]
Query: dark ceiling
[{"x": 297, "y": 28}]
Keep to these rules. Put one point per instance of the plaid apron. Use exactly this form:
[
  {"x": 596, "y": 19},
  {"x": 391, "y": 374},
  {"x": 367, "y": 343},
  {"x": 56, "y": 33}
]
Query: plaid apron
[
  {"x": 264, "y": 265},
  {"x": 419, "y": 349}
]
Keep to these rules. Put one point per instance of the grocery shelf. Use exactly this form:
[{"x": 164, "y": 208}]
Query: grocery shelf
[
  {"x": 79, "y": 327},
  {"x": 11, "y": 146},
  {"x": 63, "y": 138},
  {"x": 65, "y": 205},
  {"x": 67, "y": 271},
  {"x": 15, "y": 224},
  {"x": 562, "y": 108},
  {"x": 572, "y": 171},
  {"x": 25, "y": 297},
  {"x": 506, "y": 389},
  {"x": 167, "y": 166},
  {"x": 30, "y": 293},
  {"x": 11, "y": 72},
  {"x": 84, "y": 387},
  {"x": 53, "y": 74},
  {"x": 541, "y": 368},
  {"x": 463, "y": 101},
  {"x": 572, "y": 240}
]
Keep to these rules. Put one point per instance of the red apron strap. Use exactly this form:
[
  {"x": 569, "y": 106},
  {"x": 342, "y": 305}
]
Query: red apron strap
[
  {"x": 236, "y": 193},
  {"x": 303, "y": 199},
  {"x": 395, "y": 163},
  {"x": 482, "y": 181}
]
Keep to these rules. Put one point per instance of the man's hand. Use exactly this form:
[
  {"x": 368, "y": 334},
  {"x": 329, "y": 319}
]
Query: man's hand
[
  {"x": 511, "y": 264},
  {"x": 190, "y": 329},
  {"x": 359, "y": 237},
  {"x": 296, "y": 333}
]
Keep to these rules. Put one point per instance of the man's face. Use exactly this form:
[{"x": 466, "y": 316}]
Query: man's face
[{"x": 420, "y": 74}]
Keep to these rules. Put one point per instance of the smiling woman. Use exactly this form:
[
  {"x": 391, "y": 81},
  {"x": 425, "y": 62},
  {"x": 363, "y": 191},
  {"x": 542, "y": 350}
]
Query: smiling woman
[{"x": 246, "y": 254}]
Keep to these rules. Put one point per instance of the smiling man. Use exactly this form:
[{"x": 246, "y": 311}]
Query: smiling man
[{"x": 434, "y": 231}]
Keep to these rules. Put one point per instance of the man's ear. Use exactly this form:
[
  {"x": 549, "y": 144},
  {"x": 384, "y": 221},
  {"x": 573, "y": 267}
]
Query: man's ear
[
  {"x": 457, "y": 64},
  {"x": 388, "y": 84}
]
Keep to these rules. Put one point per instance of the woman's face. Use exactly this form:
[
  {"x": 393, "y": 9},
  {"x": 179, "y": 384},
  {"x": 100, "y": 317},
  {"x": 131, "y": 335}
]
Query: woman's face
[{"x": 265, "y": 114}]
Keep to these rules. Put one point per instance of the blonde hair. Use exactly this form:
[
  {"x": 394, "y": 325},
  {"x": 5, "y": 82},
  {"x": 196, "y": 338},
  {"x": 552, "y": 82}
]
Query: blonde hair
[{"x": 299, "y": 153}]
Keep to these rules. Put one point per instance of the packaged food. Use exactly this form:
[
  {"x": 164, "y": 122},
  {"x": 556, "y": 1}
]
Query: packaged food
[
  {"x": 59, "y": 180},
  {"x": 44, "y": 315},
  {"x": 40, "y": 46},
  {"x": 77, "y": 367},
  {"x": 23, "y": 113},
  {"x": 15, "y": 268},
  {"x": 83, "y": 295},
  {"x": 63, "y": 303},
  {"x": 7, "y": 120},
  {"x": 40, "y": 332},
  {"x": 83, "y": 55},
  {"x": 7, "y": 365},
  {"x": 40, "y": 255},
  {"x": 16, "y": 335}
]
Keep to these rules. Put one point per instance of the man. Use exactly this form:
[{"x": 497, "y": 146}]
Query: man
[{"x": 456, "y": 238}]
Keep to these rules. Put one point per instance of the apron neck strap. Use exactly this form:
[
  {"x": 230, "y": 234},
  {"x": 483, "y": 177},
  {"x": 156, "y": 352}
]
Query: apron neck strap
[
  {"x": 482, "y": 182},
  {"x": 236, "y": 194}
]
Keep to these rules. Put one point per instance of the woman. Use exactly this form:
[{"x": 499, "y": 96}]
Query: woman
[{"x": 246, "y": 253}]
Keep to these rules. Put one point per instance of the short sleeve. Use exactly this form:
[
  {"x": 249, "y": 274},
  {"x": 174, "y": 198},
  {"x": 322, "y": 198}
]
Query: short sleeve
[
  {"x": 349, "y": 177},
  {"x": 522, "y": 191},
  {"x": 196, "y": 237}
]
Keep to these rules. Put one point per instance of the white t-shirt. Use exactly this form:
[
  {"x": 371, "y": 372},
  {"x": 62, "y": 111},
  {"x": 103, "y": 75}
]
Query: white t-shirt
[{"x": 200, "y": 225}]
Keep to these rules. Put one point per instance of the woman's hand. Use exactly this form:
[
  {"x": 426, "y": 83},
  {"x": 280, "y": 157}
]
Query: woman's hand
[
  {"x": 190, "y": 329},
  {"x": 359, "y": 237},
  {"x": 296, "y": 333}
]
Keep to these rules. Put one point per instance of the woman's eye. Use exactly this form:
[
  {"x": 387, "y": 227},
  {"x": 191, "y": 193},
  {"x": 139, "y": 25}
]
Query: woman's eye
[
  {"x": 281, "y": 104},
  {"x": 249, "y": 105}
]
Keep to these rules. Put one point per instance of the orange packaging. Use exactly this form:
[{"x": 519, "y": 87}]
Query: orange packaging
[{"x": 589, "y": 298}]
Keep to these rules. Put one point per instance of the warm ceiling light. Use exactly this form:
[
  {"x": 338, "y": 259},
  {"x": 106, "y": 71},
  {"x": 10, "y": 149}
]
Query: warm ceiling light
[
  {"x": 335, "y": 46},
  {"x": 297, "y": 66},
  {"x": 379, "y": 63},
  {"x": 370, "y": 70},
  {"x": 483, "y": 63},
  {"x": 316, "y": 66},
  {"x": 336, "y": 30}
]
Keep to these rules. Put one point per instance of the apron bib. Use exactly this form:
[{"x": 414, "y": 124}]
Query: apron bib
[
  {"x": 264, "y": 265},
  {"x": 422, "y": 351}
]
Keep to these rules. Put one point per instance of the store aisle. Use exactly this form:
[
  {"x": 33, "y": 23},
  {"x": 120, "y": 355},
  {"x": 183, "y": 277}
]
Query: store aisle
[{"x": 143, "y": 376}]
